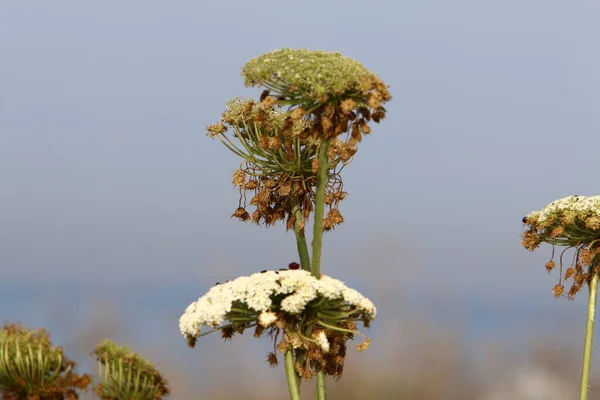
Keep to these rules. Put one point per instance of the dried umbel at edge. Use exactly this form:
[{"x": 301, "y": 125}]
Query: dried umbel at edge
[
  {"x": 314, "y": 317},
  {"x": 572, "y": 222}
]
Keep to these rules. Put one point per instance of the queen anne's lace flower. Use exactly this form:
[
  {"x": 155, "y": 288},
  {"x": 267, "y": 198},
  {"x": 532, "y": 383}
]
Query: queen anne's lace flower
[
  {"x": 292, "y": 291},
  {"x": 572, "y": 222}
]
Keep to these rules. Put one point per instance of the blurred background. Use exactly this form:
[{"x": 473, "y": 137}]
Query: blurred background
[{"x": 115, "y": 206}]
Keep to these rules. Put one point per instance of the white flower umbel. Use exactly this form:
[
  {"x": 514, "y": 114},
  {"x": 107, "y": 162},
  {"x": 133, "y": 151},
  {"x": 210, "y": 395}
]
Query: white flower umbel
[
  {"x": 262, "y": 296},
  {"x": 580, "y": 206},
  {"x": 571, "y": 221}
]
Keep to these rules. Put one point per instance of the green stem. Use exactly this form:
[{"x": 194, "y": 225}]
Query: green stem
[
  {"x": 589, "y": 336},
  {"x": 292, "y": 377},
  {"x": 321, "y": 393},
  {"x": 300, "y": 237},
  {"x": 317, "y": 242}
]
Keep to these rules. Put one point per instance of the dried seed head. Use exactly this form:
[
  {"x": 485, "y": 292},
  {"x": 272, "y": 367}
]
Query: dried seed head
[
  {"x": 530, "y": 240},
  {"x": 573, "y": 291},
  {"x": 216, "y": 129},
  {"x": 272, "y": 359},
  {"x": 586, "y": 256},
  {"x": 252, "y": 184},
  {"x": 284, "y": 190},
  {"x": 569, "y": 273},
  {"x": 550, "y": 266},
  {"x": 558, "y": 290},
  {"x": 347, "y": 106},
  {"x": 364, "y": 345},
  {"x": 239, "y": 177},
  {"x": 557, "y": 231},
  {"x": 297, "y": 114},
  {"x": 593, "y": 222},
  {"x": 267, "y": 103},
  {"x": 241, "y": 214}
]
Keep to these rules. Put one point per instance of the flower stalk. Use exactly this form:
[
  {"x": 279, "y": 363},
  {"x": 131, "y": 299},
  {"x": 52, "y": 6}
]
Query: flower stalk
[
  {"x": 589, "y": 337},
  {"x": 317, "y": 243},
  {"x": 293, "y": 380}
]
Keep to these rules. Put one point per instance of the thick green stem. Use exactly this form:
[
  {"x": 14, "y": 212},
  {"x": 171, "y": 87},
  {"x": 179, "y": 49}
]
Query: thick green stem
[
  {"x": 301, "y": 238},
  {"x": 292, "y": 377},
  {"x": 589, "y": 337},
  {"x": 322, "y": 175},
  {"x": 321, "y": 393}
]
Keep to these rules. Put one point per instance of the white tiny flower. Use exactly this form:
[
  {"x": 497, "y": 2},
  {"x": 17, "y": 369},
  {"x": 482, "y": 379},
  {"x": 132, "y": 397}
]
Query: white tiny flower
[
  {"x": 267, "y": 318},
  {"x": 322, "y": 341}
]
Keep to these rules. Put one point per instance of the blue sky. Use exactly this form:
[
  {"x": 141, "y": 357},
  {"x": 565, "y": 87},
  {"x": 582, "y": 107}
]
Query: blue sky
[{"x": 111, "y": 192}]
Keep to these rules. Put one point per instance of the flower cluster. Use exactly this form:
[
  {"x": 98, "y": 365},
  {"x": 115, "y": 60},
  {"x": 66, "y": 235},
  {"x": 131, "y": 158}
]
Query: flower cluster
[
  {"x": 280, "y": 164},
  {"x": 31, "y": 367},
  {"x": 126, "y": 375},
  {"x": 313, "y": 316},
  {"x": 337, "y": 92},
  {"x": 572, "y": 222}
]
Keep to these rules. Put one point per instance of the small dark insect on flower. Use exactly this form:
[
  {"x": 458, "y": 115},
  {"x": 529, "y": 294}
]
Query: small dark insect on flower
[
  {"x": 524, "y": 220},
  {"x": 263, "y": 271},
  {"x": 294, "y": 265},
  {"x": 264, "y": 95},
  {"x": 217, "y": 284}
]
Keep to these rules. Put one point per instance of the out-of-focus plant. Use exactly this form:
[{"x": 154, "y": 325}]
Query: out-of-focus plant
[
  {"x": 293, "y": 142},
  {"x": 32, "y": 368},
  {"x": 573, "y": 223},
  {"x": 125, "y": 375}
]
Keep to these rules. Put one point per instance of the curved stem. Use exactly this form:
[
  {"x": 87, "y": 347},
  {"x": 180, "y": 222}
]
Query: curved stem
[
  {"x": 317, "y": 242},
  {"x": 589, "y": 336},
  {"x": 292, "y": 377}
]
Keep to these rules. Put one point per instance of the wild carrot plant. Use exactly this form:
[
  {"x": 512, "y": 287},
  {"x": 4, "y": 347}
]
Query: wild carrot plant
[
  {"x": 32, "y": 368},
  {"x": 573, "y": 223},
  {"x": 293, "y": 143},
  {"x": 124, "y": 375}
]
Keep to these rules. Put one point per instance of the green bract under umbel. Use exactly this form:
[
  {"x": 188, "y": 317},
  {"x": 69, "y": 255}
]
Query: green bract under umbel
[
  {"x": 125, "y": 375},
  {"x": 30, "y": 367}
]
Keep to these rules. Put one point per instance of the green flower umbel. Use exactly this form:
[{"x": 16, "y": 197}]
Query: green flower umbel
[
  {"x": 336, "y": 92},
  {"x": 125, "y": 375},
  {"x": 31, "y": 368}
]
